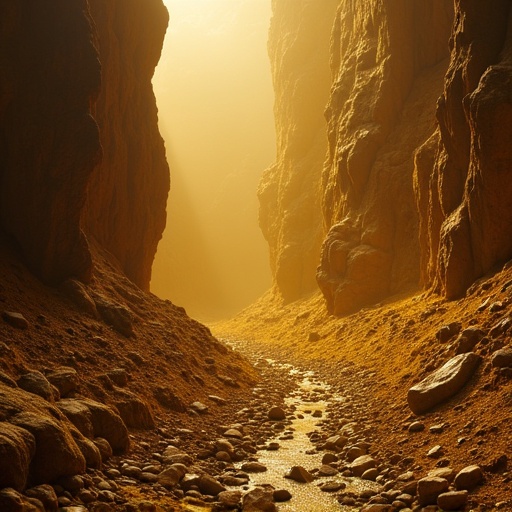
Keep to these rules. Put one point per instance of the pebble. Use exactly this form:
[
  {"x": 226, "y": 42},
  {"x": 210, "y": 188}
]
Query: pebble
[
  {"x": 299, "y": 474},
  {"x": 468, "y": 478},
  {"x": 16, "y": 320}
]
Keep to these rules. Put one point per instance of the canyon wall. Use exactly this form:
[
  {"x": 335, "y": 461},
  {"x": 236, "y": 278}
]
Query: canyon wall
[
  {"x": 127, "y": 197},
  {"x": 289, "y": 192},
  {"x": 49, "y": 142},
  {"x": 387, "y": 61},
  {"x": 76, "y": 85},
  {"x": 462, "y": 177}
]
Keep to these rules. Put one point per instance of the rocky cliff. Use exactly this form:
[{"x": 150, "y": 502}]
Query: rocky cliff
[
  {"x": 289, "y": 192},
  {"x": 462, "y": 178},
  {"x": 386, "y": 66},
  {"x": 80, "y": 150}
]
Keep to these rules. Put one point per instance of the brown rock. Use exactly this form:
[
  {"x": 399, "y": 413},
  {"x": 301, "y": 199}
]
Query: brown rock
[
  {"x": 502, "y": 358},
  {"x": 276, "y": 414},
  {"x": 134, "y": 411},
  {"x": 35, "y": 382},
  {"x": 79, "y": 414},
  {"x": 430, "y": 488},
  {"x": 299, "y": 474},
  {"x": 258, "y": 499},
  {"x": 468, "y": 478},
  {"x": 45, "y": 494},
  {"x": 210, "y": 486},
  {"x": 65, "y": 379},
  {"x": 443, "y": 383},
  {"x": 17, "y": 447},
  {"x": 454, "y": 500},
  {"x": 15, "y": 319},
  {"x": 361, "y": 464},
  {"x": 108, "y": 425}
]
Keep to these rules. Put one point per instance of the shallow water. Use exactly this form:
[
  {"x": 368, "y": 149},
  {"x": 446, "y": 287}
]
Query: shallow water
[{"x": 305, "y": 497}]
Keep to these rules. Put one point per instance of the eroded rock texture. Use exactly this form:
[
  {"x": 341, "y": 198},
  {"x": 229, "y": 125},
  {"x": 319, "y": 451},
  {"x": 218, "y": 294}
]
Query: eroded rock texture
[
  {"x": 462, "y": 176},
  {"x": 128, "y": 190},
  {"x": 76, "y": 78},
  {"x": 289, "y": 193},
  {"x": 387, "y": 67},
  {"x": 49, "y": 142}
]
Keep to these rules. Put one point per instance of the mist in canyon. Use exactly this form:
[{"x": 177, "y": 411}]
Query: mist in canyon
[{"x": 214, "y": 94}]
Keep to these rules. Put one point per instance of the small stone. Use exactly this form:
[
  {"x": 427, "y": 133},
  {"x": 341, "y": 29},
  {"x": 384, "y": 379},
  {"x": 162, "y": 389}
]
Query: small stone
[
  {"x": 430, "y": 488},
  {"x": 253, "y": 467},
  {"x": 416, "y": 426},
  {"x": 169, "y": 477},
  {"x": 276, "y": 414},
  {"x": 469, "y": 477},
  {"x": 437, "y": 429},
  {"x": 502, "y": 358},
  {"x": 335, "y": 443},
  {"x": 233, "y": 432},
  {"x": 370, "y": 474},
  {"x": 299, "y": 474},
  {"x": 210, "y": 486},
  {"x": 229, "y": 499},
  {"x": 454, "y": 500},
  {"x": 199, "y": 407},
  {"x": 259, "y": 499},
  {"x": 15, "y": 319},
  {"x": 326, "y": 470},
  {"x": 329, "y": 458},
  {"x": 435, "y": 452},
  {"x": 332, "y": 486},
  {"x": 282, "y": 495},
  {"x": 361, "y": 464},
  {"x": 223, "y": 456}
]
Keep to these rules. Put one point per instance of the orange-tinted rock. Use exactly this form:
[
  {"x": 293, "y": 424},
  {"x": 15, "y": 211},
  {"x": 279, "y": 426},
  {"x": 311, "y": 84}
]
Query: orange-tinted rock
[
  {"x": 49, "y": 142},
  {"x": 387, "y": 66},
  {"x": 289, "y": 192},
  {"x": 128, "y": 191},
  {"x": 462, "y": 173}
]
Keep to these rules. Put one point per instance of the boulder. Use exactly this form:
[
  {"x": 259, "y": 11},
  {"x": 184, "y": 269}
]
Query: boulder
[
  {"x": 362, "y": 464},
  {"x": 443, "y": 383},
  {"x": 429, "y": 488},
  {"x": 56, "y": 452},
  {"x": 210, "y": 486},
  {"x": 454, "y": 500},
  {"x": 134, "y": 411},
  {"x": 46, "y": 495},
  {"x": 276, "y": 414},
  {"x": 468, "y": 478},
  {"x": 299, "y": 474},
  {"x": 502, "y": 358},
  {"x": 17, "y": 447},
  {"x": 65, "y": 379},
  {"x": 35, "y": 382},
  {"x": 79, "y": 414},
  {"x": 108, "y": 424},
  {"x": 259, "y": 499}
]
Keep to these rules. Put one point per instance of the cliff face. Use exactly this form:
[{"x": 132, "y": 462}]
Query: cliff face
[
  {"x": 462, "y": 177},
  {"x": 128, "y": 191},
  {"x": 289, "y": 192},
  {"x": 76, "y": 77},
  {"x": 49, "y": 142},
  {"x": 387, "y": 61}
]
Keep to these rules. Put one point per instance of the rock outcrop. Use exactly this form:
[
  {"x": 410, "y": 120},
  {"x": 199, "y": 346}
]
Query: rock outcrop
[
  {"x": 127, "y": 197},
  {"x": 49, "y": 141},
  {"x": 76, "y": 79},
  {"x": 387, "y": 67},
  {"x": 289, "y": 192},
  {"x": 462, "y": 177}
]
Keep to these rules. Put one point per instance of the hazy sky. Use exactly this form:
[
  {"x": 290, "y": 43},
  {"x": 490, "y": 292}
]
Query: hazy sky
[{"x": 215, "y": 100}]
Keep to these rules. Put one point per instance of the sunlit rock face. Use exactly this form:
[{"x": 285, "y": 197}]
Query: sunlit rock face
[
  {"x": 463, "y": 179},
  {"x": 76, "y": 83},
  {"x": 289, "y": 192},
  {"x": 49, "y": 142},
  {"x": 387, "y": 61},
  {"x": 127, "y": 197}
]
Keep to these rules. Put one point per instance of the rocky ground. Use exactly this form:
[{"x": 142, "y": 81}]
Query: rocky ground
[{"x": 111, "y": 399}]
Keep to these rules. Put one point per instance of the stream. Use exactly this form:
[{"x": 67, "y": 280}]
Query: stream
[{"x": 309, "y": 403}]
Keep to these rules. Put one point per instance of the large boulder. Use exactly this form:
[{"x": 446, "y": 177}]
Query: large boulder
[
  {"x": 56, "y": 453},
  {"x": 17, "y": 448},
  {"x": 443, "y": 383},
  {"x": 108, "y": 424}
]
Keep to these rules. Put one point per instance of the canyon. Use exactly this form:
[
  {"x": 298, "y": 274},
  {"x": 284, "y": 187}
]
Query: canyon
[{"x": 387, "y": 217}]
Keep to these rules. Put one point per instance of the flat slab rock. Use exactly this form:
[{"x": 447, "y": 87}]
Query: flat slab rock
[{"x": 443, "y": 383}]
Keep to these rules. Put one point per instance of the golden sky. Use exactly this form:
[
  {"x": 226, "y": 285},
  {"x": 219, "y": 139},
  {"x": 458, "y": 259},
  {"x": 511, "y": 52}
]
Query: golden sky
[{"x": 215, "y": 100}]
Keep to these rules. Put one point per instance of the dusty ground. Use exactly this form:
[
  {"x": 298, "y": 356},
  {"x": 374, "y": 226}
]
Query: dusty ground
[{"x": 393, "y": 346}]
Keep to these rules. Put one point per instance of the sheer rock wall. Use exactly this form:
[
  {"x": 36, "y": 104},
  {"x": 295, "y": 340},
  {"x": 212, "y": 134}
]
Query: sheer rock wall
[
  {"x": 463, "y": 173},
  {"x": 75, "y": 83},
  {"x": 289, "y": 192}
]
